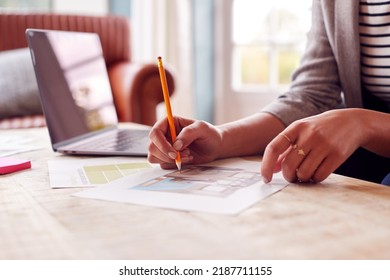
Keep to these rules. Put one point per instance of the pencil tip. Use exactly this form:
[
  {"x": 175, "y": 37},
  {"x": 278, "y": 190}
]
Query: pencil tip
[
  {"x": 178, "y": 164},
  {"x": 159, "y": 58}
]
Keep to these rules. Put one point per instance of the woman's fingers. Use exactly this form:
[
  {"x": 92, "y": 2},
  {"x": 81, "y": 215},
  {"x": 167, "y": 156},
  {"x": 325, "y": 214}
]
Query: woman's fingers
[{"x": 278, "y": 146}]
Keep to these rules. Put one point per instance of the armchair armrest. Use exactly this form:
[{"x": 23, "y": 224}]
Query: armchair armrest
[{"x": 137, "y": 91}]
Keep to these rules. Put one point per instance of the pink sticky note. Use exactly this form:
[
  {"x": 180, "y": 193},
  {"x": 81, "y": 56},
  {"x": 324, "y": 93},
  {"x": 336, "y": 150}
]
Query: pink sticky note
[{"x": 9, "y": 165}]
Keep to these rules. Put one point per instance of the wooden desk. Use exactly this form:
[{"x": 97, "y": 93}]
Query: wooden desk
[{"x": 342, "y": 218}]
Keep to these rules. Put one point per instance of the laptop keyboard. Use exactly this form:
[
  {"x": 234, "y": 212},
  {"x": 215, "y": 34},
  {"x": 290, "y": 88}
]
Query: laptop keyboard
[{"x": 122, "y": 141}]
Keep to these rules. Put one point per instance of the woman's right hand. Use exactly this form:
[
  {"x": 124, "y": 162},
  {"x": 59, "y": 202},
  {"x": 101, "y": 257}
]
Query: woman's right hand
[{"x": 197, "y": 142}]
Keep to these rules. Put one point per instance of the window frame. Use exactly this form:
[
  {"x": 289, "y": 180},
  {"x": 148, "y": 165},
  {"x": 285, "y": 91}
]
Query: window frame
[{"x": 234, "y": 102}]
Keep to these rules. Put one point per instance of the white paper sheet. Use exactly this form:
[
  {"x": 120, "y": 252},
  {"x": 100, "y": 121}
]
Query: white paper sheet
[
  {"x": 91, "y": 172},
  {"x": 225, "y": 187},
  {"x": 15, "y": 144}
]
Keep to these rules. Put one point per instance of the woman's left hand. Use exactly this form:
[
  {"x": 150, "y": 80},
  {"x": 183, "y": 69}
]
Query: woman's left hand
[{"x": 312, "y": 148}]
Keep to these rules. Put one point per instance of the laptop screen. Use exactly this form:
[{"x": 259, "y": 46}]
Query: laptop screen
[{"x": 74, "y": 87}]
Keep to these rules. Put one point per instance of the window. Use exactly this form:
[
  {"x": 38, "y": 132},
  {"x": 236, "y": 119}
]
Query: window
[
  {"x": 91, "y": 7},
  {"x": 258, "y": 46},
  {"x": 268, "y": 39},
  {"x": 26, "y": 4}
]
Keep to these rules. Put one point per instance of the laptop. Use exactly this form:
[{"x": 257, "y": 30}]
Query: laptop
[{"x": 76, "y": 98}]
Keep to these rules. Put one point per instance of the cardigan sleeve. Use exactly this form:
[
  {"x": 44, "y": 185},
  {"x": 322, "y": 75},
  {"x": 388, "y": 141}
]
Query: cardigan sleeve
[{"x": 315, "y": 86}]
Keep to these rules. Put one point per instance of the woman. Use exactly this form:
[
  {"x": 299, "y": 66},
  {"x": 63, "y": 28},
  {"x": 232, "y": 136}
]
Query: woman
[{"x": 337, "y": 107}]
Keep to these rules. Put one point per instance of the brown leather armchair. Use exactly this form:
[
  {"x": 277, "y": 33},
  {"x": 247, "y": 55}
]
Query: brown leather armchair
[{"x": 136, "y": 88}]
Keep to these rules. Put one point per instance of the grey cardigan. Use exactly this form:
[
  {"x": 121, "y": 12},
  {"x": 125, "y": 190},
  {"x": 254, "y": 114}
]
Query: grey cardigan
[{"x": 329, "y": 73}]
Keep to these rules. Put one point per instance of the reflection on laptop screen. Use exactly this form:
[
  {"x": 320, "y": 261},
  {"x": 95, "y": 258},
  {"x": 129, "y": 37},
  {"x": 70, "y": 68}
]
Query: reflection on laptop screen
[{"x": 74, "y": 86}]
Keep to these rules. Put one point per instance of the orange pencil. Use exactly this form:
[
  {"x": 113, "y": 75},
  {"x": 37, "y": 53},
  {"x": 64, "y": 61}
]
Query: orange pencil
[{"x": 171, "y": 122}]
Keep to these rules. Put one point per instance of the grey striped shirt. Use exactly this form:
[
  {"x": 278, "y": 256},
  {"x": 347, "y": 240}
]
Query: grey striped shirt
[{"x": 374, "y": 29}]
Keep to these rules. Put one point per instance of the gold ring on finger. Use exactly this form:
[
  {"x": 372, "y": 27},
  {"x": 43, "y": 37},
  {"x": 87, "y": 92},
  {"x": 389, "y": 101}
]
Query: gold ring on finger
[
  {"x": 286, "y": 137},
  {"x": 301, "y": 152}
]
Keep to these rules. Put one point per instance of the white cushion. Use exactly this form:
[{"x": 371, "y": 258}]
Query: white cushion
[{"x": 18, "y": 85}]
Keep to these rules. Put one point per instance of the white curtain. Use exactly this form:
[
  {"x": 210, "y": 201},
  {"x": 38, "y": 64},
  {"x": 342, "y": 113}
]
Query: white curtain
[{"x": 163, "y": 28}]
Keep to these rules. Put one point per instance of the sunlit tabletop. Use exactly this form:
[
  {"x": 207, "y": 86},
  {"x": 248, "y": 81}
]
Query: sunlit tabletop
[{"x": 341, "y": 218}]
